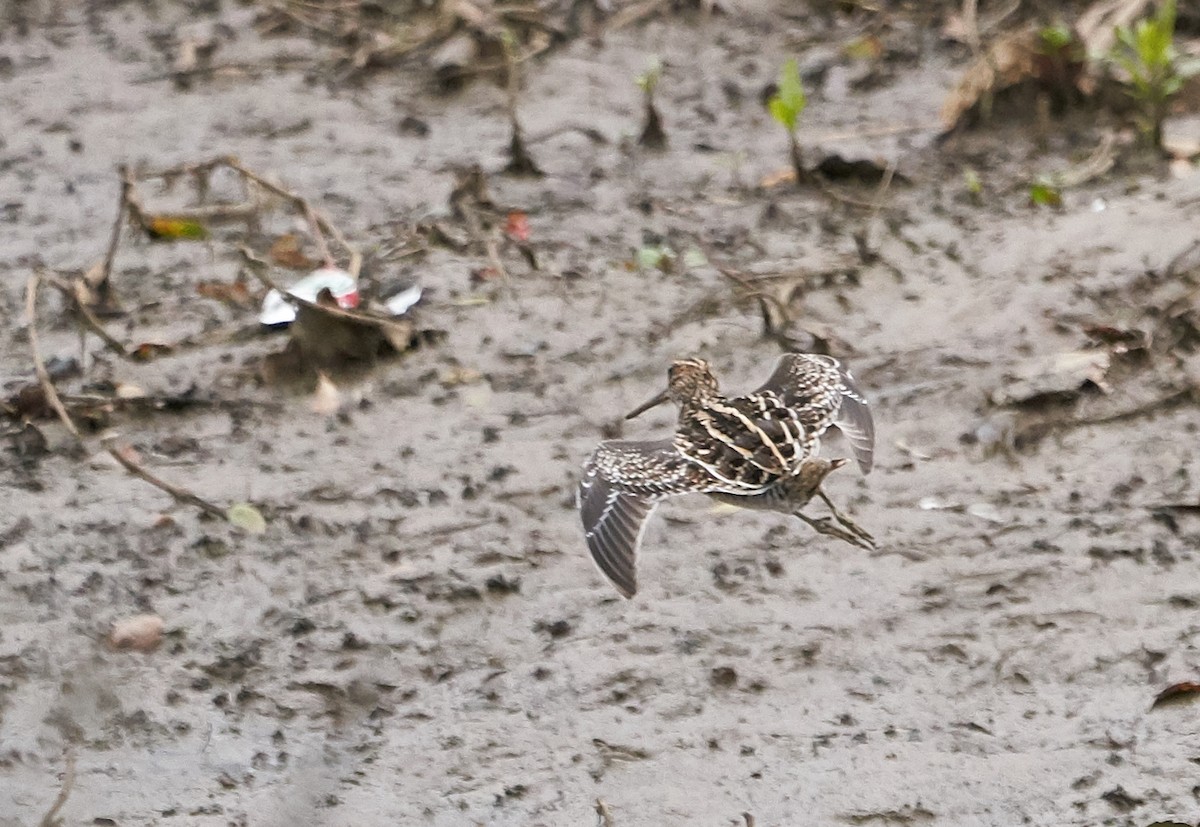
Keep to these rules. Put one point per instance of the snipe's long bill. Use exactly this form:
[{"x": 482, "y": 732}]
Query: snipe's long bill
[{"x": 757, "y": 451}]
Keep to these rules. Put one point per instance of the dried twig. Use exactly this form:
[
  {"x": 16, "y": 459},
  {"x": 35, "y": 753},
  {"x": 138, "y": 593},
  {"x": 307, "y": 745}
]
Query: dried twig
[
  {"x": 48, "y": 389},
  {"x": 520, "y": 162},
  {"x": 635, "y": 13},
  {"x": 316, "y": 220},
  {"x": 114, "y": 239},
  {"x": 319, "y": 225},
  {"x": 179, "y": 494},
  {"x": 72, "y": 292},
  {"x": 258, "y": 268},
  {"x": 51, "y": 819}
]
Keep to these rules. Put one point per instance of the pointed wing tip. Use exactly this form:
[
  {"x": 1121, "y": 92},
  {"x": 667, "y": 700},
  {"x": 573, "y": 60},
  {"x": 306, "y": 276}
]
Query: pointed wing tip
[
  {"x": 613, "y": 523},
  {"x": 624, "y": 580},
  {"x": 625, "y": 592}
]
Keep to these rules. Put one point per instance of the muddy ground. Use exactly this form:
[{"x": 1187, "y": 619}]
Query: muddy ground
[{"x": 419, "y": 637}]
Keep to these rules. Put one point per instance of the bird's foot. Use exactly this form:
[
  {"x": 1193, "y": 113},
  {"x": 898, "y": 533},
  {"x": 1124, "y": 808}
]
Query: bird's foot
[
  {"x": 852, "y": 534},
  {"x": 844, "y": 529}
]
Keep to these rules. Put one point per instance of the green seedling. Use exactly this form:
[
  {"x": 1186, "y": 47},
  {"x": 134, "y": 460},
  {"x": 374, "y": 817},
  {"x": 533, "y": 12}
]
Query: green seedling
[
  {"x": 1045, "y": 192},
  {"x": 1060, "y": 60},
  {"x": 786, "y": 106},
  {"x": 652, "y": 135},
  {"x": 1055, "y": 38},
  {"x": 1147, "y": 53},
  {"x": 656, "y": 257},
  {"x": 973, "y": 184}
]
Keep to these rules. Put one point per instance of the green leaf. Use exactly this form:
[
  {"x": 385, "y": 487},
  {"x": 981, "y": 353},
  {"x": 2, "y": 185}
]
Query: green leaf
[
  {"x": 166, "y": 228},
  {"x": 1044, "y": 194},
  {"x": 247, "y": 518},
  {"x": 787, "y": 104},
  {"x": 1055, "y": 38},
  {"x": 656, "y": 257},
  {"x": 781, "y": 113},
  {"x": 972, "y": 182}
]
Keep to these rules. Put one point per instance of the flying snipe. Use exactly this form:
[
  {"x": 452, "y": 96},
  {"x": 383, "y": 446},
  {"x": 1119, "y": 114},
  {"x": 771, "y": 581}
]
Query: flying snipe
[{"x": 755, "y": 451}]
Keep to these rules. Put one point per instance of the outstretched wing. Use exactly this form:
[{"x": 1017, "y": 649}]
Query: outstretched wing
[
  {"x": 824, "y": 393},
  {"x": 853, "y": 418},
  {"x": 623, "y": 482}
]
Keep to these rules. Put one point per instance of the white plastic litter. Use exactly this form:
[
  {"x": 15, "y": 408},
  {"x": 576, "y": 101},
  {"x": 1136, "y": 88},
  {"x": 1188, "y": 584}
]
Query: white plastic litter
[
  {"x": 399, "y": 304},
  {"x": 278, "y": 311}
]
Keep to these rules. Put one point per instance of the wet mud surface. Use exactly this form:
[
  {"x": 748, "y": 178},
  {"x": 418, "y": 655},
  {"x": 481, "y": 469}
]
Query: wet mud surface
[{"x": 419, "y": 637}]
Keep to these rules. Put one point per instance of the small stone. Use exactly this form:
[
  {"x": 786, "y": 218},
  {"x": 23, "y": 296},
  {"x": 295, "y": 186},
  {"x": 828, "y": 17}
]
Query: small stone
[{"x": 140, "y": 633}]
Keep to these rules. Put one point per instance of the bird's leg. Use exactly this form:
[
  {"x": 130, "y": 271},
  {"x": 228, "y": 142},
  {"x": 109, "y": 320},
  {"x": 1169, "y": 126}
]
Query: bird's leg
[
  {"x": 851, "y": 526},
  {"x": 846, "y": 529}
]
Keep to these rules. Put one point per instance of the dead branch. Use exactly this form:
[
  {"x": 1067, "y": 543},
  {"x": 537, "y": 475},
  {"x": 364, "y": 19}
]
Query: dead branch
[
  {"x": 114, "y": 239},
  {"x": 635, "y": 13},
  {"x": 316, "y": 220},
  {"x": 48, "y": 389},
  {"x": 74, "y": 294},
  {"x": 181, "y": 495},
  {"x": 319, "y": 225}
]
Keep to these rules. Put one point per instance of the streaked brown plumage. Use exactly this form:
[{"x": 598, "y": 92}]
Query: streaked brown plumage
[{"x": 757, "y": 451}]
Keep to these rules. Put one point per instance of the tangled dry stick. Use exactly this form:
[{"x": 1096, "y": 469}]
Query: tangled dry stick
[{"x": 55, "y": 401}]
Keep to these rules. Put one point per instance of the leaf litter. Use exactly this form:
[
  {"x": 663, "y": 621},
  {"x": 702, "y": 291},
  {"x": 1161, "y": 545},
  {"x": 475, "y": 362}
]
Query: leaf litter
[{"x": 328, "y": 328}]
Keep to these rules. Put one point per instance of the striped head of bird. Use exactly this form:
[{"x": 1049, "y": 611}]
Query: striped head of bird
[{"x": 689, "y": 382}]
